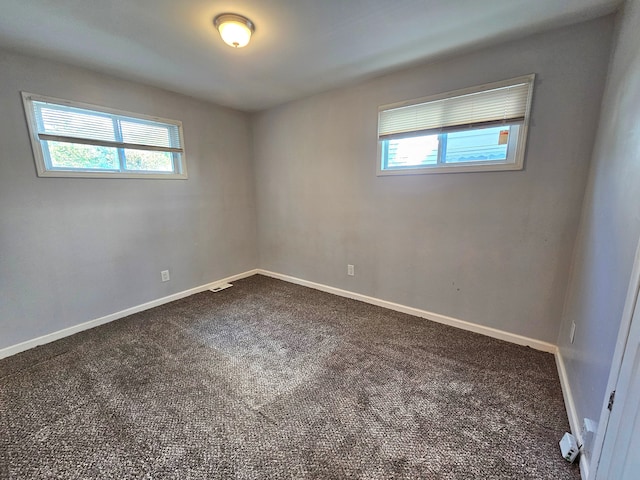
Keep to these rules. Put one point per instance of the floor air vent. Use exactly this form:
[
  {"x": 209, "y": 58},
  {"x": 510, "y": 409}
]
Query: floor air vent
[{"x": 222, "y": 286}]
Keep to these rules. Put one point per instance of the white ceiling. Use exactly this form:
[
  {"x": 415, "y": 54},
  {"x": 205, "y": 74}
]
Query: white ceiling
[{"x": 300, "y": 47}]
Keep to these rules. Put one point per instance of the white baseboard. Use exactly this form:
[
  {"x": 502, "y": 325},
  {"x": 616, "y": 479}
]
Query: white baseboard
[
  {"x": 50, "y": 337},
  {"x": 572, "y": 413},
  {"x": 436, "y": 317}
]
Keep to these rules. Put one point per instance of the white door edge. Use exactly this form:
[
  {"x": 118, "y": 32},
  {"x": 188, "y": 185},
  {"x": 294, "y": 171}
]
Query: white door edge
[{"x": 606, "y": 430}]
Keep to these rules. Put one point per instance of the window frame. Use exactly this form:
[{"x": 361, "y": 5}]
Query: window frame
[
  {"x": 38, "y": 145},
  {"x": 514, "y": 161},
  {"x": 512, "y": 145}
]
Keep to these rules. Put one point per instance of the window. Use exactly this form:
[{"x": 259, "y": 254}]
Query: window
[
  {"x": 475, "y": 129},
  {"x": 77, "y": 140}
]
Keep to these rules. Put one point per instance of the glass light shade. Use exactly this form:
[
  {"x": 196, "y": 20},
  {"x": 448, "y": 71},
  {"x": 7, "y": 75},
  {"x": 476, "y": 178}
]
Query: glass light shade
[{"x": 235, "y": 30}]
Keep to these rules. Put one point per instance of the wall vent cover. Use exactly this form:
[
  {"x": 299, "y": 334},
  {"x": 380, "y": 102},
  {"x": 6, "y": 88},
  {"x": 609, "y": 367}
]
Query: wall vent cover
[{"x": 220, "y": 287}]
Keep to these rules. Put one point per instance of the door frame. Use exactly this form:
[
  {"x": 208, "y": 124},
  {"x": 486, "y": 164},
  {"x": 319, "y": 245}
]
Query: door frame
[{"x": 607, "y": 429}]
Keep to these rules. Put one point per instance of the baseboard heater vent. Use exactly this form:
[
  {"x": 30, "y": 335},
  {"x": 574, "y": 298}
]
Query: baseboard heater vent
[{"x": 222, "y": 286}]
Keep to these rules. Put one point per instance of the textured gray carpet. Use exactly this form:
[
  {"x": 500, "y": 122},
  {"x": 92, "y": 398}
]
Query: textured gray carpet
[{"x": 272, "y": 380}]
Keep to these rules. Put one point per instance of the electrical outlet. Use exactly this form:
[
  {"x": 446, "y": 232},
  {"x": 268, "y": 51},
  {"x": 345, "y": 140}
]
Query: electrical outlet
[
  {"x": 164, "y": 274},
  {"x": 572, "y": 334},
  {"x": 350, "y": 270}
]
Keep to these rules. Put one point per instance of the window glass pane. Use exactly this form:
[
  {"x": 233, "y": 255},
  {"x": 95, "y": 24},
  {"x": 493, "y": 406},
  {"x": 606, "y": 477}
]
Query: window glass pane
[
  {"x": 78, "y": 156},
  {"x": 477, "y": 145},
  {"x": 412, "y": 152},
  {"x": 143, "y": 160}
]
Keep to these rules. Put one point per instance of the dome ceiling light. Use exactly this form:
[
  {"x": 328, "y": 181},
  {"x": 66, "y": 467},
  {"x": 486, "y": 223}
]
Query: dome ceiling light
[{"x": 234, "y": 29}]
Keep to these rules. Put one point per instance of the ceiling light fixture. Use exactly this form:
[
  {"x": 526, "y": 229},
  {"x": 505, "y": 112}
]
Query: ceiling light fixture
[{"x": 234, "y": 29}]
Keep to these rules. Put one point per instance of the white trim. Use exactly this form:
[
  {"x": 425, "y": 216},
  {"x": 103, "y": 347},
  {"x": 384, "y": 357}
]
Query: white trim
[
  {"x": 436, "y": 317},
  {"x": 50, "y": 337},
  {"x": 633, "y": 293},
  {"x": 42, "y": 170},
  {"x": 572, "y": 413},
  {"x": 516, "y": 142},
  {"x": 109, "y": 174}
]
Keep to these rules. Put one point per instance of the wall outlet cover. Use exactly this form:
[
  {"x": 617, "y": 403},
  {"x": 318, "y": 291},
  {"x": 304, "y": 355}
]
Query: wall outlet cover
[{"x": 572, "y": 333}]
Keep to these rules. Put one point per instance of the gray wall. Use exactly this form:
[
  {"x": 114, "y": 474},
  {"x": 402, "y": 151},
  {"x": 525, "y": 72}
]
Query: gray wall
[
  {"x": 609, "y": 229},
  {"x": 489, "y": 248},
  {"x": 72, "y": 250}
]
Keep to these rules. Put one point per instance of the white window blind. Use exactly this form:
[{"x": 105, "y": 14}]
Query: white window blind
[
  {"x": 62, "y": 123},
  {"x": 73, "y": 139},
  {"x": 502, "y": 103}
]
